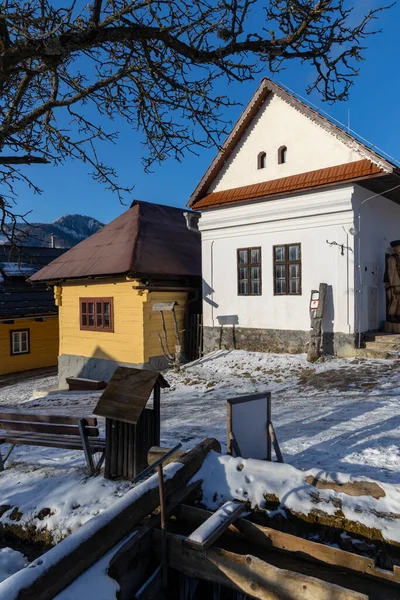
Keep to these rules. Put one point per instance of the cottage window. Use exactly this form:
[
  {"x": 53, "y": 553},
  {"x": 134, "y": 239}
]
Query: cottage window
[
  {"x": 19, "y": 342},
  {"x": 287, "y": 269},
  {"x": 261, "y": 160},
  {"x": 249, "y": 271},
  {"x": 282, "y": 155},
  {"x": 96, "y": 314}
]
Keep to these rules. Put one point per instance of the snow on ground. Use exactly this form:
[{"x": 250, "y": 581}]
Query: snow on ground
[
  {"x": 228, "y": 478},
  {"x": 335, "y": 416},
  {"x": 11, "y": 561}
]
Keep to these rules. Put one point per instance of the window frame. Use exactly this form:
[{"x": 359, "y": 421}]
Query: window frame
[
  {"x": 248, "y": 265},
  {"x": 282, "y": 157},
  {"x": 262, "y": 160},
  {"x": 28, "y": 344},
  {"x": 96, "y": 327},
  {"x": 287, "y": 264}
]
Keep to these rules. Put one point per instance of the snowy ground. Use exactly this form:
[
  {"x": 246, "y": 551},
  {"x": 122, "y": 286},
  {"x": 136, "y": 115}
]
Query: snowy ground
[{"x": 339, "y": 416}]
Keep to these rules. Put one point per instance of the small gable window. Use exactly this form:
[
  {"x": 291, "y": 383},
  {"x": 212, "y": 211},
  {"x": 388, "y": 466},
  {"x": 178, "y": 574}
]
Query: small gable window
[
  {"x": 261, "y": 160},
  {"x": 282, "y": 155}
]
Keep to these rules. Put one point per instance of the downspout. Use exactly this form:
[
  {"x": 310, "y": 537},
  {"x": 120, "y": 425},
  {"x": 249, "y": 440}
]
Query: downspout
[{"x": 212, "y": 281}]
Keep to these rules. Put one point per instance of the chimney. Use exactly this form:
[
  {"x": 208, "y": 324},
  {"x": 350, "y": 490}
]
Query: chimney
[
  {"x": 192, "y": 221},
  {"x": 52, "y": 240}
]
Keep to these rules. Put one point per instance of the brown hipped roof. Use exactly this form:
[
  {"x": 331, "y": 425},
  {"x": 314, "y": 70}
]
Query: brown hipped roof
[
  {"x": 294, "y": 183},
  {"x": 147, "y": 239},
  {"x": 266, "y": 88}
]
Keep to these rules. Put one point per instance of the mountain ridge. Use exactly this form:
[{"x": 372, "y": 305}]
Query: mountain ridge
[{"x": 68, "y": 230}]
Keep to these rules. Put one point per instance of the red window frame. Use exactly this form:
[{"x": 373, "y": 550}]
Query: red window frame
[{"x": 98, "y": 313}]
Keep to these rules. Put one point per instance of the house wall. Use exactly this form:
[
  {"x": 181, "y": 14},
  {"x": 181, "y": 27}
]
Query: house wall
[
  {"x": 309, "y": 147},
  {"x": 278, "y": 323},
  {"x": 153, "y": 322},
  {"x": 43, "y": 345},
  {"x": 379, "y": 224},
  {"x": 134, "y": 341}
]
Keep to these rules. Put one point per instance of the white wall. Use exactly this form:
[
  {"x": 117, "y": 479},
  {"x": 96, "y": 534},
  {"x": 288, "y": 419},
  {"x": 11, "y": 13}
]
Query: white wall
[
  {"x": 309, "y": 219},
  {"x": 309, "y": 147},
  {"x": 380, "y": 224}
]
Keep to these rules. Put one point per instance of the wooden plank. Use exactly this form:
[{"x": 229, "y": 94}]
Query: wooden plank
[
  {"x": 29, "y": 417},
  {"x": 74, "y": 555},
  {"x": 157, "y": 452},
  {"x": 249, "y": 574},
  {"x": 216, "y": 524},
  {"x": 48, "y": 441},
  {"x": 85, "y": 445},
  {"x": 46, "y": 428},
  {"x": 313, "y": 551}
]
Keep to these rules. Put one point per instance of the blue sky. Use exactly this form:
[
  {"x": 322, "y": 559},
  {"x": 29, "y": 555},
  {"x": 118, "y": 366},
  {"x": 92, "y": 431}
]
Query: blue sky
[{"x": 374, "y": 114}]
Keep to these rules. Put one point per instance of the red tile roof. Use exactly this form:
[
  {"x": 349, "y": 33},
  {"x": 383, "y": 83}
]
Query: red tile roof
[{"x": 353, "y": 171}]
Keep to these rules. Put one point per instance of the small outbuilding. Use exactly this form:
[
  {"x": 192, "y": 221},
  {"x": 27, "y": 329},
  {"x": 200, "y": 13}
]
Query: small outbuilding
[
  {"x": 28, "y": 314},
  {"x": 125, "y": 292}
]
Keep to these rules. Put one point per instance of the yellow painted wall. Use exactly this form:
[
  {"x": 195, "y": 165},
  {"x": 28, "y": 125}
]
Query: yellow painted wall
[
  {"x": 125, "y": 344},
  {"x": 134, "y": 339},
  {"x": 43, "y": 345},
  {"x": 153, "y": 322}
]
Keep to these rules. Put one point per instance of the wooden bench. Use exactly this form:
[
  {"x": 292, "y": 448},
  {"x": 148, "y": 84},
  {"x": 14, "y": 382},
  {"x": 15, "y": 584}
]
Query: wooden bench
[
  {"x": 53, "y": 431},
  {"x": 80, "y": 383}
]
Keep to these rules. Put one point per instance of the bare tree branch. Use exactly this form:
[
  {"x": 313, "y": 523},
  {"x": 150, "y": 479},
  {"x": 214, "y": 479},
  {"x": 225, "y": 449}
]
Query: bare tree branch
[{"x": 155, "y": 64}]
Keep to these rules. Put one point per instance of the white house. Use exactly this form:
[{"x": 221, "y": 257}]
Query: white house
[{"x": 292, "y": 201}]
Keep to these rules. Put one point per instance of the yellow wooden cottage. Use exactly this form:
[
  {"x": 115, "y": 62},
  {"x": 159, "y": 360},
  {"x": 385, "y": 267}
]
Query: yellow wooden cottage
[
  {"x": 28, "y": 314},
  {"x": 115, "y": 288}
]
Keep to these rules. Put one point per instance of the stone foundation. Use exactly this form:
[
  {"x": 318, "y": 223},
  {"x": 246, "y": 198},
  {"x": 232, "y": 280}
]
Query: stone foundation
[
  {"x": 272, "y": 340},
  {"x": 70, "y": 365}
]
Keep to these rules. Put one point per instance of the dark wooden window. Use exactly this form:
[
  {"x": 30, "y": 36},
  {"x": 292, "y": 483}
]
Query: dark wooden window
[
  {"x": 261, "y": 160},
  {"x": 249, "y": 271},
  {"x": 282, "y": 155},
  {"x": 287, "y": 269},
  {"x": 96, "y": 314},
  {"x": 19, "y": 341}
]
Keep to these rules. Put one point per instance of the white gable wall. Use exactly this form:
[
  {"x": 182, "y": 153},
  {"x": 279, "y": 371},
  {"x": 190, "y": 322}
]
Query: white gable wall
[
  {"x": 309, "y": 219},
  {"x": 309, "y": 147},
  {"x": 380, "y": 224}
]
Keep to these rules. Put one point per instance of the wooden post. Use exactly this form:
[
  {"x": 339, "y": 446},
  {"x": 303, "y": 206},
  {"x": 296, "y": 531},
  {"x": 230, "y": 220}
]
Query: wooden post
[
  {"x": 269, "y": 449},
  {"x": 85, "y": 444},
  {"x": 156, "y": 408},
  {"x": 316, "y": 315},
  {"x": 164, "y": 541}
]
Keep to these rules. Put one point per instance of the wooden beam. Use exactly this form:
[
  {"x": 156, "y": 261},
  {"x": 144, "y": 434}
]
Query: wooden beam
[
  {"x": 130, "y": 565},
  {"x": 267, "y": 537},
  {"x": 249, "y": 574},
  {"x": 74, "y": 555},
  {"x": 216, "y": 524},
  {"x": 157, "y": 452}
]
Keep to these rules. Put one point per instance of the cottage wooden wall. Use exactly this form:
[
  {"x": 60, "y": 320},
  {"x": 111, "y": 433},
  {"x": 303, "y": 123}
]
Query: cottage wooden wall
[
  {"x": 153, "y": 322},
  {"x": 134, "y": 339},
  {"x": 125, "y": 344},
  {"x": 43, "y": 345}
]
